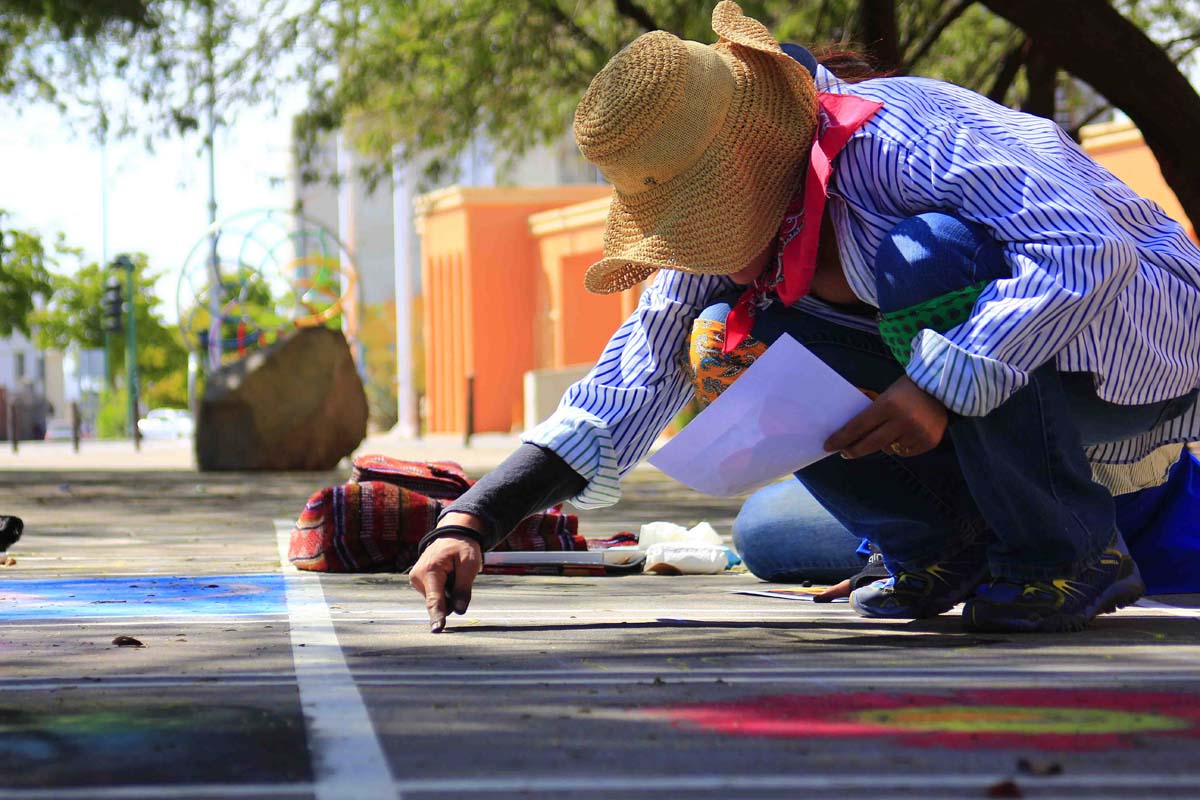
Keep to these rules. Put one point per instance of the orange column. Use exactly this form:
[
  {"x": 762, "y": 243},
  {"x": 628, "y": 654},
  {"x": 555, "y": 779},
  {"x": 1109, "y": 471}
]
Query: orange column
[
  {"x": 1119, "y": 148},
  {"x": 479, "y": 263},
  {"x": 460, "y": 321},
  {"x": 575, "y": 325}
]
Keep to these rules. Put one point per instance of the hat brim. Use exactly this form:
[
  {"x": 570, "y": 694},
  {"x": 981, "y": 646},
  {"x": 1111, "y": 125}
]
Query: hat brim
[{"x": 725, "y": 210}]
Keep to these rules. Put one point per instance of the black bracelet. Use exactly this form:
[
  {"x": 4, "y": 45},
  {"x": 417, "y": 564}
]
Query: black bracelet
[{"x": 442, "y": 530}]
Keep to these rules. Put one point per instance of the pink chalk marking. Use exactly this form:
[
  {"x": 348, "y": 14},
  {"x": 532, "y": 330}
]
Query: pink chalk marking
[{"x": 957, "y": 720}]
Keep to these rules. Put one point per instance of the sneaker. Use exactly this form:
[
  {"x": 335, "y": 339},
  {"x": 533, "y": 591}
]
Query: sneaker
[
  {"x": 927, "y": 592},
  {"x": 873, "y": 570},
  {"x": 1060, "y": 604}
]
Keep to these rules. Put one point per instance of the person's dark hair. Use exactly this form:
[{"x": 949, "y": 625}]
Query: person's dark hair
[{"x": 851, "y": 66}]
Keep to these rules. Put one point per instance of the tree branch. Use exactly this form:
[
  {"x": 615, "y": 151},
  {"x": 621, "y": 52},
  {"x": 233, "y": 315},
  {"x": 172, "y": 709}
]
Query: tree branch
[
  {"x": 1096, "y": 44},
  {"x": 1088, "y": 119},
  {"x": 1010, "y": 67},
  {"x": 1188, "y": 37},
  {"x": 631, "y": 10},
  {"x": 1041, "y": 76},
  {"x": 572, "y": 27},
  {"x": 877, "y": 31},
  {"x": 931, "y": 35},
  {"x": 822, "y": 12}
]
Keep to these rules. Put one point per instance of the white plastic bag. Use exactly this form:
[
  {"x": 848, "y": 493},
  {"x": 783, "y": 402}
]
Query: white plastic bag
[
  {"x": 680, "y": 558},
  {"x": 661, "y": 532}
]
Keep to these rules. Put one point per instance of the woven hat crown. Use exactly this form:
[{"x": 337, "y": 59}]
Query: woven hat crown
[
  {"x": 653, "y": 110},
  {"x": 627, "y": 94},
  {"x": 704, "y": 145}
]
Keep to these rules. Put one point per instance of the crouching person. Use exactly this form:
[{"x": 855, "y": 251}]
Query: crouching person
[{"x": 1017, "y": 313}]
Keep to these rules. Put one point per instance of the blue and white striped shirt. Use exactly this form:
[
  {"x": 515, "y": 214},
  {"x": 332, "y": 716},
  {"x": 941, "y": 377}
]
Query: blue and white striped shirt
[{"x": 1103, "y": 281}]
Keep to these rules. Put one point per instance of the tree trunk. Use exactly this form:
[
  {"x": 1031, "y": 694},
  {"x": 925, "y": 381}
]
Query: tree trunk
[
  {"x": 1093, "y": 42},
  {"x": 878, "y": 33},
  {"x": 1009, "y": 68},
  {"x": 1041, "y": 73}
]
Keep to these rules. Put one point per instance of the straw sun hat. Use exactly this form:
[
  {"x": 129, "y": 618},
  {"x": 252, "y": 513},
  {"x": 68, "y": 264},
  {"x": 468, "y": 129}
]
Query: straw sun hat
[{"x": 704, "y": 144}]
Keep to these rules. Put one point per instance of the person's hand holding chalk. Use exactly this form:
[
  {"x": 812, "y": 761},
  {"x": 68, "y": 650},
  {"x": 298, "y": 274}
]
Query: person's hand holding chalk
[{"x": 444, "y": 574}]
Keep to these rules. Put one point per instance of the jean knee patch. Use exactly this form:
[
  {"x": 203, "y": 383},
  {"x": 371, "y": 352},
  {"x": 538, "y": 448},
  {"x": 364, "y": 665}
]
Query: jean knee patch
[
  {"x": 717, "y": 312},
  {"x": 928, "y": 255}
]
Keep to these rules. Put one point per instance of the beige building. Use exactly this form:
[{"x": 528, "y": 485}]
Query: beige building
[{"x": 33, "y": 380}]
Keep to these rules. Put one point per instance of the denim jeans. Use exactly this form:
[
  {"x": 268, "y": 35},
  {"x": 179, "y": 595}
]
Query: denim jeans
[
  {"x": 1017, "y": 475},
  {"x": 784, "y": 535}
]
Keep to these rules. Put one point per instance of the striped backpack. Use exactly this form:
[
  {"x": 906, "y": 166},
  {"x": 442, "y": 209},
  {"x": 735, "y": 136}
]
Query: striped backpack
[{"x": 375, "y": 522}]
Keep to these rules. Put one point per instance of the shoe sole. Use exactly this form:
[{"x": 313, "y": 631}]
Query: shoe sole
[{"x": 1122, "y": 592}]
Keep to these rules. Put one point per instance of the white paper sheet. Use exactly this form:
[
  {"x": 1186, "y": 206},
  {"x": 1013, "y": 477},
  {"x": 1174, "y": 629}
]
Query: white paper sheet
[{"x": 771, "y": 422}]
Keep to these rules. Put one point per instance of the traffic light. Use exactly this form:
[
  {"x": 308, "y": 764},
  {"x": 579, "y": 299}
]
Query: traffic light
[{"x": 112, "y": 304}]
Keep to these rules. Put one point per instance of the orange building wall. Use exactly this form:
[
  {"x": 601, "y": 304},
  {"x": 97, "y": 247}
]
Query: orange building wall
[
  {"x": 1119, "y": 148},
  {"x": 503, "y": 275},
  {"x": 571, "y": 326},
  {"x": 479, "y": 267}
]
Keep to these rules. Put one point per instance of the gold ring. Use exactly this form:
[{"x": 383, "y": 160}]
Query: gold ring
[{"x": 898, "y": 449}]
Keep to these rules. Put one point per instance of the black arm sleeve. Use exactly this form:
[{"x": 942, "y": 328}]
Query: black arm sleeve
[{"x": 531, "y": 479}]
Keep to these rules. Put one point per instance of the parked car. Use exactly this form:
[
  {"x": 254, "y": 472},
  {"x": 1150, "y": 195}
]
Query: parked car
[
  {"x": 58, "y": 430},
  {"x": 166, "y": 423}
]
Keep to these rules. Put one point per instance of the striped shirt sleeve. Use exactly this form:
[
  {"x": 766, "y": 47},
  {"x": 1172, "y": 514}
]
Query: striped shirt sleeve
[
  {"x": 606, "y": 423},
  {"x": 1069, "y": 258}
]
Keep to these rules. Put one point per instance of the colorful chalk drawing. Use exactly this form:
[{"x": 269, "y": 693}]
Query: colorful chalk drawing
[
  {"x": 1056, "y": 719},
  {"x": 145, "y": 740},
  {"x": 142, "y": 596}
]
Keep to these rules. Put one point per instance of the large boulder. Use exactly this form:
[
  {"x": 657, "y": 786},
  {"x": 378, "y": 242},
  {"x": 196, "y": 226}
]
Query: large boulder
[{"x": 296, "y": 405}]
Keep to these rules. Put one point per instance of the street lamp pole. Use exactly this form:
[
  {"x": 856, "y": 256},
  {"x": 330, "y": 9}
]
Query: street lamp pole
[
  {"x": 214, "y": 292},
  {"x": 109, "y": 378},
  {"x": 131, "y": 369}
]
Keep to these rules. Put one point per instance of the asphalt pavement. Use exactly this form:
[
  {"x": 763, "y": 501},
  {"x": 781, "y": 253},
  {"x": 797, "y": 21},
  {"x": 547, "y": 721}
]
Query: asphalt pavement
[{"x": 153, "y": 646}]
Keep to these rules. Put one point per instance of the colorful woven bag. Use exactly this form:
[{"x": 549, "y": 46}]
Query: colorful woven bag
[
  {"x": 549, "y": 530},
  {"x": 441, "y": 480},
  {"x": 362, "y": 527},
  {"x": 375, "y": 522}
]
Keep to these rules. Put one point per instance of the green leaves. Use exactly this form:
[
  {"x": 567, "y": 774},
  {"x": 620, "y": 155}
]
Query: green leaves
[
  {"x": 436, "y": 75},
  {"x": 426, "y": 80},
  {"x": 24, "y": 277},
  {"x": 73, "y": 315}
]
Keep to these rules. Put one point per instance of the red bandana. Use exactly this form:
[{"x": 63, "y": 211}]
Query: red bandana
[{"x": 796, "y": 254}]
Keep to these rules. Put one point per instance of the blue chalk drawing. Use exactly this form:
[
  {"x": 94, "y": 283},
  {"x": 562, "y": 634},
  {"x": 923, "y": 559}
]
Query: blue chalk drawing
[{"x": 143, "y": 596}]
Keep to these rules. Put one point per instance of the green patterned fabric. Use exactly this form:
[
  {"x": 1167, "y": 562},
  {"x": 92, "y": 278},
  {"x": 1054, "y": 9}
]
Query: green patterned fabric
[{"x": 941, "y": 313}]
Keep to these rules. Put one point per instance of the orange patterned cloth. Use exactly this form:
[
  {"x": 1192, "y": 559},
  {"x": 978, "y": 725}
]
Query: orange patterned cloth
[{"x": 711, "y": 370}]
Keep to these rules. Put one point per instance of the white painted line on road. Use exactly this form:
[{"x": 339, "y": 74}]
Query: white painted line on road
[
  {"x": 1175, "y": 611},
  {"x": 347, "y": 758}
]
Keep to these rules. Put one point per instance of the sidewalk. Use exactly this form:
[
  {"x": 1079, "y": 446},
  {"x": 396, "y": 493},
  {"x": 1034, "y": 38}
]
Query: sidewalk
[
  {"x": 94, "y": 454},
  {"x": 484, "y": 453},
  {"x": 255, "y": 681}
]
